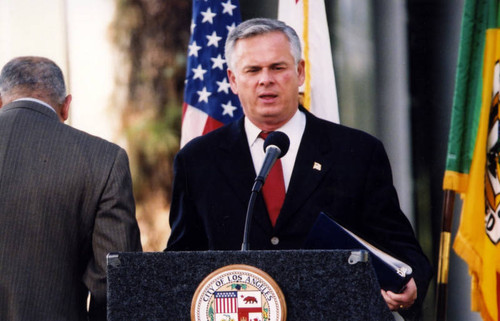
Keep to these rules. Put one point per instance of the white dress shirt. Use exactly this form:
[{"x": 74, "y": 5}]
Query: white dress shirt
[{"x": 294, "y": 129}]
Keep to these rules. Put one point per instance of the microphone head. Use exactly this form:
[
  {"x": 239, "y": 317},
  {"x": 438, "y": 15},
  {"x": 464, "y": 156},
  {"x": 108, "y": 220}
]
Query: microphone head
[{"x": 278, "y": 139}]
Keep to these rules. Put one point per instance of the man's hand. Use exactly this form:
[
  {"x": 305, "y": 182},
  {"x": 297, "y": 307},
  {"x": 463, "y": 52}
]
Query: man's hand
[{"x": 403, "y": 300}]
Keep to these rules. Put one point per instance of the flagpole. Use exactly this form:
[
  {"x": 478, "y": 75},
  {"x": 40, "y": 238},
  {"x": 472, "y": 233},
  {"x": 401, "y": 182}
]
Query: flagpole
[{"x": 444, "y": 255}]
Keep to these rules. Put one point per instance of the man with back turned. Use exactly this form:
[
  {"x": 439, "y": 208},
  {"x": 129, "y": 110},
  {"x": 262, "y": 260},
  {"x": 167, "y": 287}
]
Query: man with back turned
[
  {"x": 65, "y": 201},
  {"x": 328, "y": 168}
]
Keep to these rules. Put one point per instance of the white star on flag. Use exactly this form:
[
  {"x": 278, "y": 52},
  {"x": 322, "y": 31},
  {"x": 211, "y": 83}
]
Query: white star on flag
[
  {"x": 218, "y": 62},
  {"x": 199, "y": 72},
  {"x": 228, "y": 109},
  {"x": 228, "y": 7},
  {"x": 193, "y": 49},
  {"x": 213, "y": 39},
  {"x": 204, "y": 94},
  {"x": 208, "y": 16},
  {"x": 230, "y": 27},
  {"x": 223, "y": 86}
]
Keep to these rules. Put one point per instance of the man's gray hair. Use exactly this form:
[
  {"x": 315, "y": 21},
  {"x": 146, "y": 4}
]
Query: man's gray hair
[
  {"x": 258, "y": 26},
  {"x": 33, "y": 75}
]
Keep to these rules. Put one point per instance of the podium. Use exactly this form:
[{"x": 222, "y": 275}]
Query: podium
[{"x": 316, "y": 284}]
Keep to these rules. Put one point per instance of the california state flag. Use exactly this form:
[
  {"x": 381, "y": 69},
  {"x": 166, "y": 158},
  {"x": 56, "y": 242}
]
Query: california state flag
[{"x": 308, "y": 18}]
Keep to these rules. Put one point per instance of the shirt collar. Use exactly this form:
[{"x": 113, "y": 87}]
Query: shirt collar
[
  {"x": 293, "y": 128},
  {"x": 252, "y": 131}
]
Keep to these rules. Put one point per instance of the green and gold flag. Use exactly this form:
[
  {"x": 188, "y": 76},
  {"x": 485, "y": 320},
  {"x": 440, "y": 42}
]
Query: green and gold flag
[{"x": 472, "y": 165}]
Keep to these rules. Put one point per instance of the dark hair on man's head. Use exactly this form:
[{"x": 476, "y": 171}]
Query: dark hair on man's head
[{"x": 29, "y": 75}]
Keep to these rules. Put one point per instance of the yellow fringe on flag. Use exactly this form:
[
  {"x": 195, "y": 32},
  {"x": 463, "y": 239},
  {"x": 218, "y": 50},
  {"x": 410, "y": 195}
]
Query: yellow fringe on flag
[
  {"x": 305, "y": 36},
  {"x": 455, "y": 181}
]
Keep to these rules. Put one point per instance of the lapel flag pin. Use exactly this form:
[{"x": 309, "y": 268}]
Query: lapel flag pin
[{"x": 317, "y": 166}]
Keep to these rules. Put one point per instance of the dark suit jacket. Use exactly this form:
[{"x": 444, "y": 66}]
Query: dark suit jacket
[
  {"x": 214, "y": 175},
  {"x": 65, "y": 202}
]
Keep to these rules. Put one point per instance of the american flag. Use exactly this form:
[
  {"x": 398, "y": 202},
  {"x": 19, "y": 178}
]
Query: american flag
[
  {"x": 208, "y": 100},
  {"x": 226, "y": 302}
]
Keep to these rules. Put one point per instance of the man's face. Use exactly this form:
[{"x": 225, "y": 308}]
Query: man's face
[{"x": 266, "y": 79}]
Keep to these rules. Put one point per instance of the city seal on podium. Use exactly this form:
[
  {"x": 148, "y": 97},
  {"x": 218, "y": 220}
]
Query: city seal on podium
[{"x": 238, "y": 293}]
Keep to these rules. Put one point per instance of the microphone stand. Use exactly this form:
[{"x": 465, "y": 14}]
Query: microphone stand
[{"x": 259, "y": 181}]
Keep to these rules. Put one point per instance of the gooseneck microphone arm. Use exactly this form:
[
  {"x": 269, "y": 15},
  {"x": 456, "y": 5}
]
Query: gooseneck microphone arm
[
  {"x": 245, "y": 246},
  {"x": 276, "y": 146}
]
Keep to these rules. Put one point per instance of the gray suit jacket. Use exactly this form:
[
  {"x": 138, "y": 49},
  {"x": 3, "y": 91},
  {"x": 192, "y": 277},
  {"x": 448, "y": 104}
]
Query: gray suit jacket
[{"x": 65, "y": 202}]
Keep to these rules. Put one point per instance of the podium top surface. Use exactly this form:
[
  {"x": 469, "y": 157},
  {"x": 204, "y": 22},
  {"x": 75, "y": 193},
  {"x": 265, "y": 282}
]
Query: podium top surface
[{"x": 317, "y": 284}]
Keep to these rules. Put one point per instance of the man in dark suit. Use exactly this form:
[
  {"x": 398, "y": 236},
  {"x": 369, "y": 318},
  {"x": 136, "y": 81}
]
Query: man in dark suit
[
  {"x": 328, "y": 168},
  {"x": 65, "y": 201}
]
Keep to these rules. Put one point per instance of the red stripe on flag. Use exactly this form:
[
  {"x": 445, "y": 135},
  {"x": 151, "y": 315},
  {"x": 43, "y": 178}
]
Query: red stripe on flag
[
  {"x": 211, "y": 124},
  {"x": 226, "y": 305},
  {"x": 184, "y": 108}
]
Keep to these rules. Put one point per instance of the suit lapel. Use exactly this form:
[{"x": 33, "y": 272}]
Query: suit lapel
[
  {"x": 236, "y": 165},
  {"x": 311, "y": 165},
  {"x": 233, "y": 160}
]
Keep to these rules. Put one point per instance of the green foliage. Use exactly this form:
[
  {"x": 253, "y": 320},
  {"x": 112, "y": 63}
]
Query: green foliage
[
  {"x": 154, "y": 140},
  {"x": 151, "y": 38}
]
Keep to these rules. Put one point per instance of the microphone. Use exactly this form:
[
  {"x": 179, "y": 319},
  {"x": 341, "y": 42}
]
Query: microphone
[{"x": 275, "y": 146}]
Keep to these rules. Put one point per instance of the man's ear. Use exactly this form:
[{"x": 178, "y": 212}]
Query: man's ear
[
  {"x": 64, "y": 111},
  {"x": 1, "y": 102},
  {"x": 301, "y": 71},
  {"x": 232, "y": 81}
]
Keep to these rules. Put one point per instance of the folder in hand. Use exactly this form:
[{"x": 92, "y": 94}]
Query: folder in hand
[{"x": 392, "y": 274}]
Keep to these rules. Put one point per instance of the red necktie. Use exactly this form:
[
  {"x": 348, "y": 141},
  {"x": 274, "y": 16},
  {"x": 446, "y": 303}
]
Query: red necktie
[{"x": 274, "y": 188}]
